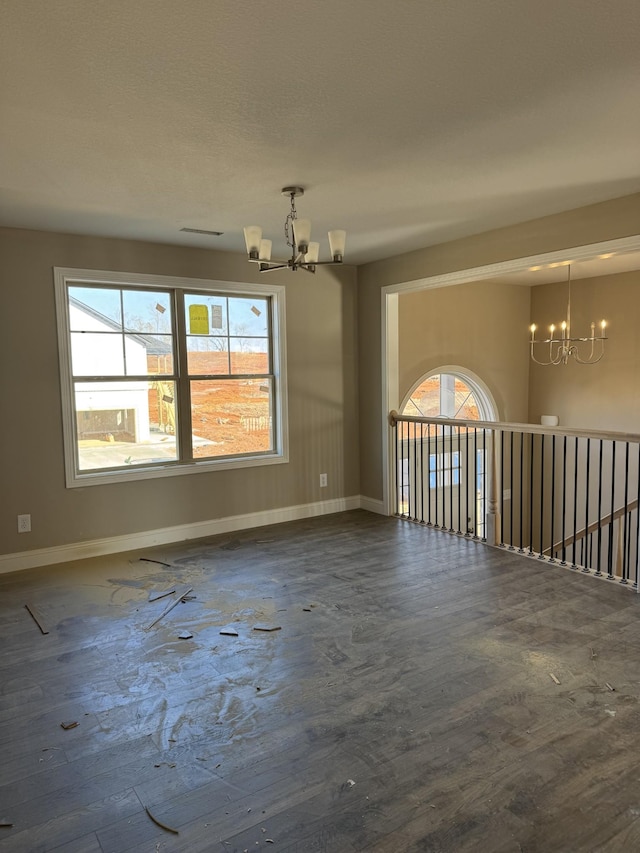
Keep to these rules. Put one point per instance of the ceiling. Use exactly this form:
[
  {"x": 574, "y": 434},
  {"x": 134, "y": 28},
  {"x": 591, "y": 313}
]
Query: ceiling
[{"x": 409, "y": 123}]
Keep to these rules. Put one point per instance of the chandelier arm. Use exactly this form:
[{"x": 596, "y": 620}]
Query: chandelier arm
[{"x": 537, "y": 361}]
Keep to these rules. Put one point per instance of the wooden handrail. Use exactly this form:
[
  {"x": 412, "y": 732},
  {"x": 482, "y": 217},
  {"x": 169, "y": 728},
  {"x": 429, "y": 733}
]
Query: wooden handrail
[
  {"x": 534, "y": 429},
  {"x": 595, "y": 525}
]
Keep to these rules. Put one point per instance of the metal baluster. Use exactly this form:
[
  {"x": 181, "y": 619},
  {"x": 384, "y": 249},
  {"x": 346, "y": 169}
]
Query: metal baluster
[
  {"x": 613, "y": 489},
  {"x": 563, "y": 562},
  {"x": 511, "y": 545},
  {"x": 585, "y": 560},
  {"x": 475, "y": 483},
  {"x": 396, "y": 467},
  {"x": 450, "y": 479},
  {"x": 484, "y": 484},
  {"x": 599, "y": 548},
  {"x": 429, "y": 474},
  {"x": 436, "y": 456},
  {"x": 575, "y": 503},
  {"x": 532, "y": 445},
  {"x": 415, "y": 474},
  {"x": 540, "y": 554},
  {"x": 625, "y": 566},
  {"x": 466, "y": 504},
  {"x": 521, "y": 548},
  {"x": 459, "y": 473},
  {"x": 501, "y": 487},
  {"x": 422, "y": 473},
  {"x": 553, "y": 493},
  {"x": 635, "y": 583}
]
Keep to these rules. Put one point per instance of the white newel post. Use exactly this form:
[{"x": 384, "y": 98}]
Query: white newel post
[{"x": 493, "y": 515}]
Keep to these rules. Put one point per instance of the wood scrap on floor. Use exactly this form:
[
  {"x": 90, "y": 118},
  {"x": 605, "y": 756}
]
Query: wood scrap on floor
[
  {"x": 71, "y": 724},
  {"x": 158, "y": 562},
  {"x": 154, "y": 596},
  {"x": 268, "y": 629},
  {"x": 228, "y": 633},
  {"x": 185, "y": 635},
  {"x": 553, "y": 678},
  {"x": 5, "y": 824},
  {"x": 169, "y": 608},
  {"x": 37, "y": 618},
  {"x": 160, "y": 824}
]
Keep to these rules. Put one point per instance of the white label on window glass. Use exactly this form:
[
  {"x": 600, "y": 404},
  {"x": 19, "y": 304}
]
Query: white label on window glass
[
  {"x": 160, "y": 308},
  {"x": 255, "y": 310},
  {"x": 216, "y": 316}
]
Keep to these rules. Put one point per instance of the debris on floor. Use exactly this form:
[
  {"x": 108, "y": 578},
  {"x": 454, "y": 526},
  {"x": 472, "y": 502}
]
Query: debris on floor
[
  {"x": 229, "y": 633},
  {"x": 350, "y": 783},
  {"x": 158, "y": 562},
  {"x": 553, "y": 678},
  {"x": 154, "y": 596},
  {"x": 185, "y": 635},
  {"x": 160, "y": 824},
  {"x": 37, "y": 618},
  {"x": 71, "y": 724},
  {"x": 6, "y": 824},
  {"x": 609, "y": 687},
  {"x": 267, "y": 628},
  {"x": 170, "y": 607},
  {"x": 609, "y": 712}
]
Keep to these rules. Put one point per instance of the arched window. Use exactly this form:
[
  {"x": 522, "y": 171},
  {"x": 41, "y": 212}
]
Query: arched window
[
  {"x": 451, "y": 393},
  {"x": 453, "y": 459}
]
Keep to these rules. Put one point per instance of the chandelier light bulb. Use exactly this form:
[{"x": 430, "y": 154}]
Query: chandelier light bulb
[
  {"x": 337, "y": 242},
  {"x": 252, "y": 237},
  {"x": 265, "y": 250},
  {"x": 302, "y": 234},
  {"x": 313, "y": 253}
]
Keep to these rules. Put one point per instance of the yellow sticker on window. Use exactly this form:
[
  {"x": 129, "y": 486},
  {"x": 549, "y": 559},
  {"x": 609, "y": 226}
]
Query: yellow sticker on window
[{"x": 198, "y": 319}]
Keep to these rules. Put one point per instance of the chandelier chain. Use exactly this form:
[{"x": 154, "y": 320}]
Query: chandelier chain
[{"x": 291, "y": 216}]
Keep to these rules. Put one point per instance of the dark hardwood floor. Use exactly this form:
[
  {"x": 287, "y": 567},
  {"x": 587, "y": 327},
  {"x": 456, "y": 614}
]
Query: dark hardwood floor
[{"x": 407, "y": 703}]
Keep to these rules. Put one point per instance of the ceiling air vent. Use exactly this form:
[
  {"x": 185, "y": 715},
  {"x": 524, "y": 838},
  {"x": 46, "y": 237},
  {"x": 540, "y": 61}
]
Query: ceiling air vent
[{"x": 202, "y": 231}]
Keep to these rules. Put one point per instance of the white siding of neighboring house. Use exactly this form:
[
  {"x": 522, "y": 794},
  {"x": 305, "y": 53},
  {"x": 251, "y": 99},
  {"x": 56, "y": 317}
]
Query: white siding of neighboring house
[{"x": 94, "y": 355}]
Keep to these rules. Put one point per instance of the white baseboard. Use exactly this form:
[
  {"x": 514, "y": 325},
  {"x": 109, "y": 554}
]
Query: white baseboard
[
  {"x": 179, "y": 533},
  {"x": 372, "y": 505}
]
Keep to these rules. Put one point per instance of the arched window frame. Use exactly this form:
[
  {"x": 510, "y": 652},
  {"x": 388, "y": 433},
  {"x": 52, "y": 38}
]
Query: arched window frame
[{"x": 487, "y": 407}]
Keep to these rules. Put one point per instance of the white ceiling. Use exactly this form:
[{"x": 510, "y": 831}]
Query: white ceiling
[{"x": 409, "y": 122}]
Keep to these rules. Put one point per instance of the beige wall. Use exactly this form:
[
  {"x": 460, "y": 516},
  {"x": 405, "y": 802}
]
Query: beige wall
[
  {"x": 323, "y": 391},
  {"x": 603, "y": 396},
  {"x": 596, "y": 223},
  {"x": 478, "y": 326}
]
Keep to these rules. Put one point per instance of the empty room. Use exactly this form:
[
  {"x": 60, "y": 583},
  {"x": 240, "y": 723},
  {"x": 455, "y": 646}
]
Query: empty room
[{"x": 320, "y": 452}]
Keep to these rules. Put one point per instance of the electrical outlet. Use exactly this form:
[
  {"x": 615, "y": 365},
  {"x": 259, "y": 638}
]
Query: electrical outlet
[
  {"x": 323, "y": 480},
  {"x": 24, "y": 524}
]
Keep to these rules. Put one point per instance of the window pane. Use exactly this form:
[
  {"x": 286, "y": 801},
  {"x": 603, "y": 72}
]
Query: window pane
[
  {"x": 248, "y": 316},
  {"x": 94, "y": 309},
  {"x": 207, "y": 356},
  {"x": 121, "y": 424},
  {"x": 205, "y": 314},
  {"x": 249, "y": 355},
  {"x": 231, "y": 417},
  {"x": 146, "y": 311},
  {"x": 149, "y": 354},
  {"x": 97, "y": 354}
]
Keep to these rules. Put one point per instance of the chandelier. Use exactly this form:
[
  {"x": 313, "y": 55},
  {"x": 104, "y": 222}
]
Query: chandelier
[
  {"x": 558, "y": 350},
  {"x": 297, "y": 232}
]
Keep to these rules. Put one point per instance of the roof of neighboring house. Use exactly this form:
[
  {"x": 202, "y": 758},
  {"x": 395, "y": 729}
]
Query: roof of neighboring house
[{"x": 154, "y": 344}]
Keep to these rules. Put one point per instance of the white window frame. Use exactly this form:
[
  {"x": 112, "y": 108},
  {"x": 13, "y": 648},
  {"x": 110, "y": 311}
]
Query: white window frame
[{"x": 63, "y": 277}]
